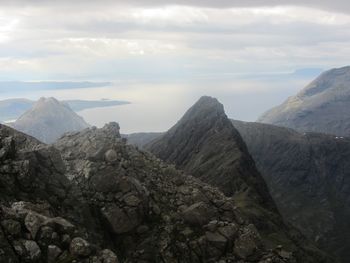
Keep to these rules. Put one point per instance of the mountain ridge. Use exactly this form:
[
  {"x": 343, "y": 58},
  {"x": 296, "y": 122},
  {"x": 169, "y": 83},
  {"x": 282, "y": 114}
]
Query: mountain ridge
[
  {"x": 205, "y": 144},
  {"x": 320, "y": 107}
]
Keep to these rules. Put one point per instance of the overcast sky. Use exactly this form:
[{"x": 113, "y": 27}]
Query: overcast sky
[
  {"x": 112, "y": 40},
  {"x": 243, "y": 52}
]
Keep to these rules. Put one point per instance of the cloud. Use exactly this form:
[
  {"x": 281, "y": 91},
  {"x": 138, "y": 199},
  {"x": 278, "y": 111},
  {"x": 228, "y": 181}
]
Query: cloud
[
  {"x": 172, "y": 40},
  {"x": 335, "y": 5}
]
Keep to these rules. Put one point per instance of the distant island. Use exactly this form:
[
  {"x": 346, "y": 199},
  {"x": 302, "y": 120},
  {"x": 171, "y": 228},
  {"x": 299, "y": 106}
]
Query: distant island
[{"x": 11, "y": 109}]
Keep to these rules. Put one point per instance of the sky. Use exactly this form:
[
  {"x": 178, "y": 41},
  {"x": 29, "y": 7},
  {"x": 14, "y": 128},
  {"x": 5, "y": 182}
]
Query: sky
[{"x": 251, "y": 54}]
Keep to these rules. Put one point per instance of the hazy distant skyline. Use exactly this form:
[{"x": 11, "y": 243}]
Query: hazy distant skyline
[{"x": 251, "y": 55}]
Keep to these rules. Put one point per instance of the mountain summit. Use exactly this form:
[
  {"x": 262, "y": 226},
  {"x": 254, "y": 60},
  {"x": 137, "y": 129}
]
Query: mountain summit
[
  {"x": 49, "y": 119},
  {"x": 322, "y": 106},
  {"x": 205, "y": 143}
]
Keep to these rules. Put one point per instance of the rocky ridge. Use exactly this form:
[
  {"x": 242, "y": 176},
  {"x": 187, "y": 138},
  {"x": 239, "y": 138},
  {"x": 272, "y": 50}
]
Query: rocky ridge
[
  {"x": 93, "y": 198},
  {"x": 205, "y": 144}
]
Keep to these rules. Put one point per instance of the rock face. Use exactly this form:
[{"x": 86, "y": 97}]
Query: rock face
[
  {"x": 309, "y": 178},
  {"x": 93, "y": 198},
  {"x": 205, "y": 144},
  {"x": 322, "y": 106},
  {"x": 41, "y": 211},
  {"x": 154, "y": 212},
  {"x": 48, "y": 120}
]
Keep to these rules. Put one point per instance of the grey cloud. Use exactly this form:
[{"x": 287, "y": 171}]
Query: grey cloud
[{"x": 335, "y": 5}]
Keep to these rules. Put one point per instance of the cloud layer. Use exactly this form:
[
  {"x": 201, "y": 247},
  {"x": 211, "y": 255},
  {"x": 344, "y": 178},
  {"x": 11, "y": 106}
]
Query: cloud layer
[
  {"x": 240, "y": 51},
  {"x": 180, "y": 39}
]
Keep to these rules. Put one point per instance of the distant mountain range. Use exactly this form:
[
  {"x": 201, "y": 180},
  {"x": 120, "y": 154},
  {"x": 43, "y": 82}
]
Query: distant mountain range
[
  {"x": 11, "y": 109},
  {"x": 48, "y": 119},
  {"x": 322, "y": 106}
]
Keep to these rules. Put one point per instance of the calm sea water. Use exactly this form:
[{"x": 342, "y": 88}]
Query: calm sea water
[{"x": 157, "y": 106}]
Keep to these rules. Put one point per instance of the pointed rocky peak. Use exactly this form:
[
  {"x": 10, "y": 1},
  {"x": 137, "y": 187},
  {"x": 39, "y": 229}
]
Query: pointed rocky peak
[
  {"x": 205, "y": 144},
  {"x": 205, "y": 106},
  {"x": 205, "y": 114},
  {"x": 204, "y": 119},
  {"x": 49, "y": 119},
  {"x": 50, "y": 100}
]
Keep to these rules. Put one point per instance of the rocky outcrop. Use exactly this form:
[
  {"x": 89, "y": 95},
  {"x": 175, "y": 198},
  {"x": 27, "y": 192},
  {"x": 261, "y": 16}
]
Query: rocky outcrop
[
  {"x": 205, "y": 144},
  {"x": 91, "y": 197},
  {"x": 49, "y": 119},
  {"x": 157, "y": 213},
  {"x": 322, "y": 106},
  {"x": 41, "y": 211},
  {"x": 308, "y": 175}
]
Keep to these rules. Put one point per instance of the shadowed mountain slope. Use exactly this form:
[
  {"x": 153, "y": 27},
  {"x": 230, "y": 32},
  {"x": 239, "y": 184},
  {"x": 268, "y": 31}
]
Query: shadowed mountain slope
[{"x": 309, "y": 178}]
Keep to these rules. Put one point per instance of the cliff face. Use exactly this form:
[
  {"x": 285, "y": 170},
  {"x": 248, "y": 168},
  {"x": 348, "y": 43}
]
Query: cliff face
[
  {"x": 49, "y": 119},
  {"x": 93, "y": 198},
  {"x": 309, "y": 178},
  {"x": 322, "y": 106}
]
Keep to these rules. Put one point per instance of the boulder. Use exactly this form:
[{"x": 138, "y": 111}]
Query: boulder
[
  {"x": 119, "y": 220},
  {"x": 11, "y": 227},
  {"x": 108, "y": 256},
  {"x": 248, "y": 244},
  {"x": 33, "y": 222},
  {"x": 216, "y": 240},
  {"x": 53, "y": 253},
  {"x": 198, "y": 214},
  {"x": 33, "y": 252},
  {"x": 111, "y": 156},
  {"x": 80, "y": 247}
]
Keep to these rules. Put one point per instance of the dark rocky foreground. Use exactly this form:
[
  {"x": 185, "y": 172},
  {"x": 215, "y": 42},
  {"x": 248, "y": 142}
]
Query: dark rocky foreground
[
  {"x": 93, "y": 198},
  {"x": 309, "y": 178}
]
